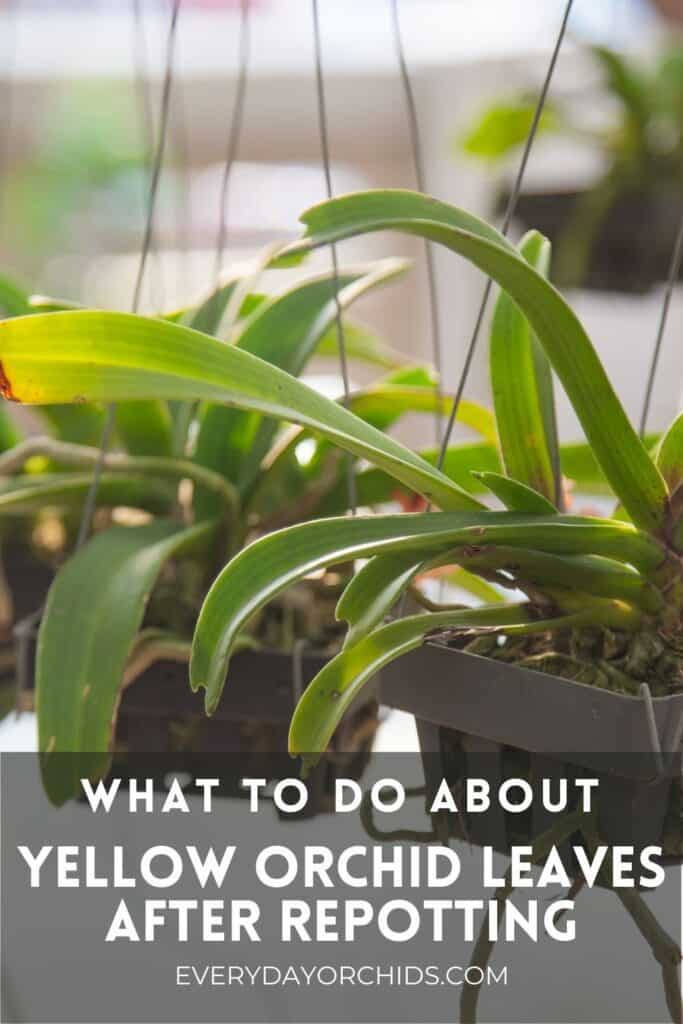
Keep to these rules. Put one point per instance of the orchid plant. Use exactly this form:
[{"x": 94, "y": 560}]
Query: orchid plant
[{"x": 601, "y": 597}]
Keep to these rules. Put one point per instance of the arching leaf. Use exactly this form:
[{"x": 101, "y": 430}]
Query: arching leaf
[
  {"x": 103, "y": 357},
  {"x": 631, "y": 473}
]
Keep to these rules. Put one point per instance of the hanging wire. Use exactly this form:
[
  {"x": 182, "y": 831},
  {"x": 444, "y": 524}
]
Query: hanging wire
[
  {"x": 148, "y": 132},
  {"x": 505, "y": 227},
  {"x": 108, "y": 429},
  {"x": 234, "y": 135},
  {"x": 674, "y": 272},
  {"x": 325, "y": 148},
  {"x": 24, "y": 629},
  {"x": 10, "y": 18},
  {"x": 182, "y": 195},
  {"x": 420, "y": 177}
]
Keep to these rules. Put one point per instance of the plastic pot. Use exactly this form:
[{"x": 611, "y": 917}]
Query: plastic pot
[
  {"x": 631, "y": 250},
  {"x": 473, "y": 711}
]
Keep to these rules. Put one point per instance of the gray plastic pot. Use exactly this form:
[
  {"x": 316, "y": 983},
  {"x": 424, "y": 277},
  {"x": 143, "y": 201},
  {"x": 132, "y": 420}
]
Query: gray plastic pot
[{"x": 630, "y": 743}]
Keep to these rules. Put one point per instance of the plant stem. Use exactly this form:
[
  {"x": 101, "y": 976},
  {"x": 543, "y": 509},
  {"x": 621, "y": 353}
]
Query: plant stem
[{"x": 84, "y": 457}]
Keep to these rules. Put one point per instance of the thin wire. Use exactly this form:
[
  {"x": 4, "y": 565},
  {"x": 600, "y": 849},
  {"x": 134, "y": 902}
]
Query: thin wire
[
  {"x": 325, "y": 147},
  {"x": 234, "y": 135},
  {"x": 10, "y": 40},
  {"x": 108, "y": 429},
  {"x": 674, "y": 271},
  {"x": 148, "y": 130},
  {"x": 507, "y": 220},
  {"x": 420, "y": 177}
]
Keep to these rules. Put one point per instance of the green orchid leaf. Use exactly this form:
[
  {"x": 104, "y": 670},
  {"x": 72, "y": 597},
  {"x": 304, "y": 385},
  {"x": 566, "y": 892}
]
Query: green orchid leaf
[
  {"x": 10, "y": 434},
  {"x": 284, "y": 333},
  {"x": 207, "y": 316},
  {"x": 144, "y": 427},
  {"x": 473, "y": 585},
  {"x": 301, "y": 463},
  {"x": 518, "y": 380},
  {"x": 268, "y": 566},
  {"x": 77, "y": 424},
  {"x": 504, "y": 127},
  {"x": 634, "y": 478},
  {"x": 361, "y": 346},
  {"x": 373, "y": 591},
  {"x": 328, "y": 696},
  {"x": 515, "y": 496},
  {"x": 626, "y": 82},
  {"x": 669, "y": 457},
  {"x": 62, "y": 357},
  {"x": 336, "y": 686},
  {"x": 376, "y": 488},
  {"x": 93, "y": 612},
  {"x": 590, "y": 574},
  {"x": 392, "y": 399}
]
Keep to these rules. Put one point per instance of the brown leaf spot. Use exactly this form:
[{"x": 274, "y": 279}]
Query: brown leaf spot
[{"x": 6, "y": 386}]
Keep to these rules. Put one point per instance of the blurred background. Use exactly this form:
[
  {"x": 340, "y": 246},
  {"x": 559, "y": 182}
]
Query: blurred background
[{"x": 79, "y": 111}]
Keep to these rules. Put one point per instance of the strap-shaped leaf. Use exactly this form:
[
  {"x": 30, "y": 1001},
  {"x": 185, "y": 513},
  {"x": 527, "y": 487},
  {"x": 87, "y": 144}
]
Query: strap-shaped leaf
[
  {"x": 503, "y": 127},
  {"x": 373, "y": 591},
  {"x": 375, "y": 488},
  {"x": 362, "y": 346},
  {"x": 589, "y": 574},
  {"x": 94, "y": 609},
  {"x": 272, "y": 563},
  {"x": 328, "y": 696},
  {"x": 632, "y": 475},
  {"x": 627, "y": 81},
  {"x": 669, "y": 457},
  {"x": 284, "y": 333},
  {"x": 395, "y": 399},
  {"x": 10, "y": 434},
  {"x": 78, "y": 424},
  {"x": 144, "y": 427},
  {"x": 205, "y": 317},
  {"x": 65, "y": 357},
  {"x": 529, "y": 454},
  {"x": 515, "y": 496},
  {"x": 382, "y": 405}
]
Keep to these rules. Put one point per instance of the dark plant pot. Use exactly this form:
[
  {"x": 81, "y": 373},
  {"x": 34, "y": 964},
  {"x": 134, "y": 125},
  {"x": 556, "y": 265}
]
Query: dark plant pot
[
  {"x": 28, "y": 578},
  {"x": 473, "y": 712},
  {"x": 631, "y": 250},
  {"x": 159, "y": 713}
]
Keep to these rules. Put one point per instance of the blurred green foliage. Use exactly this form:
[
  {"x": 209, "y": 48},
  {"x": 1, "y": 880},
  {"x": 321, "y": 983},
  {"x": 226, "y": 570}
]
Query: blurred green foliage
[
  {"x": 84, "y": 177},
  {"x": 642, "y": 146}
]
